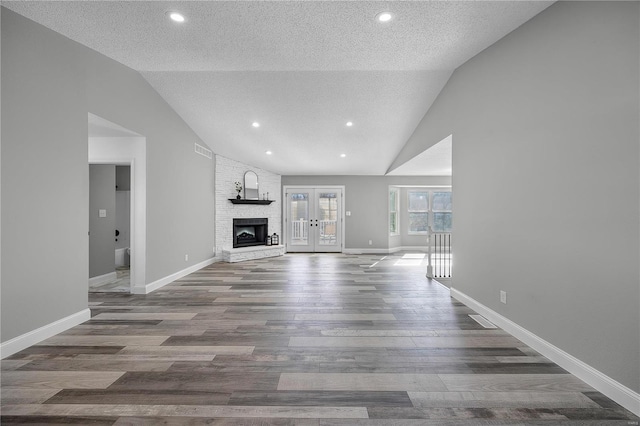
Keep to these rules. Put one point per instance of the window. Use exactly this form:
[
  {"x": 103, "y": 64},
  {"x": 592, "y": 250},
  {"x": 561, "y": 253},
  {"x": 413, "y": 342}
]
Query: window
[
  {"x": 441, "y": 207},
  {"x": 418, "y": 212},
  {"x": 393, "y": 211}
]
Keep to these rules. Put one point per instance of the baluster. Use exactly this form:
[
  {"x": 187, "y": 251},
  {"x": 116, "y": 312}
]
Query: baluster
[
  {"x": 437, "y": 254},
  {"x": 429, "y": 265},
  {"x": 441, "y": 258},
  {"x": 441, "y": 274},
  {"x": 449, "y": 255}
]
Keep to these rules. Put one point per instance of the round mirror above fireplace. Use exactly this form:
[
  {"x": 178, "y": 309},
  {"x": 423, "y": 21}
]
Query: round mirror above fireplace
[{"x": 251, "y": 186}]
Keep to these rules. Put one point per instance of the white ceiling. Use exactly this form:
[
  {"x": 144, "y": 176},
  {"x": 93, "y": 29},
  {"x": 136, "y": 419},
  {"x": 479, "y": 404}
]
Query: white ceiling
[
  {"x": 436, "y": 159},
  {"x": 302, "y": 69}
]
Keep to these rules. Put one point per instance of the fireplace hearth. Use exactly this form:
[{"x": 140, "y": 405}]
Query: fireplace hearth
[{"x": 250, "y": 232}]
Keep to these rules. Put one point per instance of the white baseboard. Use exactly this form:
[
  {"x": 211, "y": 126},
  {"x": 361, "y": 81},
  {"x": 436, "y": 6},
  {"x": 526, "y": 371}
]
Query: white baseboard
[
  {"x": 101, "y": 279},
  {"x": 618, "y": 392},
  {"x": 23, "y": 341},
  {"x": 146, "y": 289}
]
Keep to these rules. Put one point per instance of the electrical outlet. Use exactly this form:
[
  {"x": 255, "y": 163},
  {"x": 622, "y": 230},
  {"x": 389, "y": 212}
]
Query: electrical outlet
[
  {"x": 503, "y": 296},
  {"x": 186, "y": 257},
  {"x": 370, "y": 242}
]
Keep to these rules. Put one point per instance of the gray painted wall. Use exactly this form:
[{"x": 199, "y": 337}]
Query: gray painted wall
[
  {"x": 180, "y": 183},
  {"x": 123, "y": 178},
  {"x": 546, "y": 160},
  {"x": 45, "y": 179},
  {"x": 102, "y": 195},
  {"x": 367, "y": 198},
  {"x": 49, "y": 84}
]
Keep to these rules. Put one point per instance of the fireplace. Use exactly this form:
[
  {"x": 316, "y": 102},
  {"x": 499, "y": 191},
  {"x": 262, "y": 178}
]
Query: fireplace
[{"x": 250, "y": 232}]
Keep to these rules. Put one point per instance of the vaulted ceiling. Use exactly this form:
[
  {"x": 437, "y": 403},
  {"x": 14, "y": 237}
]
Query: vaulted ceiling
[{"x": 301, "y": 69}]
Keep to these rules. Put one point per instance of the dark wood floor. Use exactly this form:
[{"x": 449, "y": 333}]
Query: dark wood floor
[{"x": 325, "y": 339}]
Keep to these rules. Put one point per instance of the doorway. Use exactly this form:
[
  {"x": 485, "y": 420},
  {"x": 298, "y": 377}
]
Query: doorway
[
  {"x": 314, "y": 218},
  {"x": 109, "y": 214},
  {"x": 116, "y": 147}
]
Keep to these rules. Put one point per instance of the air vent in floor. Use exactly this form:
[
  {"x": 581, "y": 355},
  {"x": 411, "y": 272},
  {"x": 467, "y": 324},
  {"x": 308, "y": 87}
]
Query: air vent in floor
[{"x": 483, "y": 321}]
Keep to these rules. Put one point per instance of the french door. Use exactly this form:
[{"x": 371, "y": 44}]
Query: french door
[{"x": 313, "y": 219}]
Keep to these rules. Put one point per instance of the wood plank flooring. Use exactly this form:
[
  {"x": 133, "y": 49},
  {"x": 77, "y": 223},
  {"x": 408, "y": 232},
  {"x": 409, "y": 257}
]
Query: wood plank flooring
[{"x": 309, "y": 340}]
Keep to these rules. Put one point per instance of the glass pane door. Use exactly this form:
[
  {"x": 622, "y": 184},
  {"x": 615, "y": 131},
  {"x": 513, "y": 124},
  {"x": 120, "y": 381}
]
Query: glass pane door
[
  {"x": 314, "y": 219},
  {"x": 327, "y": 213},
  {"x": 298, "y": 229}
]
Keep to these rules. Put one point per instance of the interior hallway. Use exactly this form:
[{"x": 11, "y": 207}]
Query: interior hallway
[{"x": 325, "y": 339}]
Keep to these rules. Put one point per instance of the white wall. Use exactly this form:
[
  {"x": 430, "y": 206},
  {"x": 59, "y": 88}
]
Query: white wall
[
  {"x": 546, "y": 164},
  {"x": 229, "y": 171}
]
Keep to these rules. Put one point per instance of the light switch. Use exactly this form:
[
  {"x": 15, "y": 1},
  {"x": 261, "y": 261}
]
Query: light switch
[
  {"x": 348, "y": 213},
  {"x": 102, "y": 213}
]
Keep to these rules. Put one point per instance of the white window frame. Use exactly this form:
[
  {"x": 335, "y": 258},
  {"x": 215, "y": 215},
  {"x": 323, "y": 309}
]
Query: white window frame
[
  {"x": 427, "y": 211},
  {"x": 395, "y": 191}
]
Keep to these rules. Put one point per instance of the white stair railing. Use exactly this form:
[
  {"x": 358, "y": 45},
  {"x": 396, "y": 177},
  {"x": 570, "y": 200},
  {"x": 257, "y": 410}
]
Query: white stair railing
[{"x": 439, "y": 254}]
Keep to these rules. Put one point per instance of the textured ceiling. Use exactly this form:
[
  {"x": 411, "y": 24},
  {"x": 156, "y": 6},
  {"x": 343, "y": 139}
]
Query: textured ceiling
[{"x": 302, "y": 69}]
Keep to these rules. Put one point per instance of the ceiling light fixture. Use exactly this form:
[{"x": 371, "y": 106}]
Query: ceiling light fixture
[
  {"x": 384, "y": 17},
  {"x": 255, "y": 124},
  {"x": 176, "y": 17},
  {"x": 268, "y": 152},
  {"x": 343, "y": 155},
  {"x": 349, "y": 124}
]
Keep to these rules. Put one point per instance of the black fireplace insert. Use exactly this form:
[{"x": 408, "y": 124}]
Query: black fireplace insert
[{"x": 250, "y": 232}]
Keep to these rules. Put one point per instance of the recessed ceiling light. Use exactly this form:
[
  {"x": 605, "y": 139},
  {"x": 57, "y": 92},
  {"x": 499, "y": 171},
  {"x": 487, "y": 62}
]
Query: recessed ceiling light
[
  {"x": 349, "y": 124},
  {"x": 343, "y": 155},
  {"x": 268, "y": 152},
  {"x": 176, "y": 17},
  {"x": 255, "y": 124},
  {"x": 384, "y": 17}
]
